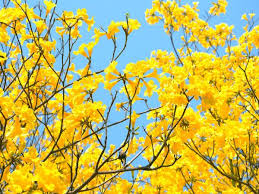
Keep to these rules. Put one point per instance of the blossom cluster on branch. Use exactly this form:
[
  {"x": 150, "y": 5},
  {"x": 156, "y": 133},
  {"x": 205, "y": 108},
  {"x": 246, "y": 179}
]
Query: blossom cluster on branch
[{"x": 202, "y": 137}]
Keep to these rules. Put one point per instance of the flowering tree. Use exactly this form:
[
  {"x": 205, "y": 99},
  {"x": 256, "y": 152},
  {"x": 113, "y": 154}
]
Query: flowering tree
[{"x": 54, "y": 132}]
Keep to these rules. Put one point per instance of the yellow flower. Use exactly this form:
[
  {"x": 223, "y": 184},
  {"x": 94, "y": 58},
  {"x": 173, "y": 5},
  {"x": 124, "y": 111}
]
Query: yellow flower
[
  {"x": 134, "y": 117},
  {"x": 3, "y": 57},
  {"x": 112, "y": 68},
  {"x": 119, "y": 105},
  {"x": 244, "y": 17},
  {"x": 90, "y": 47},
  {"x": 109, "y": 77},
  {"x": 60, "y": 30},
  {"x": 219, "y": 7},
  {"x": 97, "y": 34},
  {"x": 109, "y": 85},
  {"x": 112, "y": 29},
  {"x": 251, "y": 15},
  {"x": 82, "y": 13},
  {"x": 40, "y": 25},
  {"x": 81, "y": 49},
  {"x": 132, "y": 25},
  {"x": 150, "y": 88},
  {"x": 49, "y": 5}
]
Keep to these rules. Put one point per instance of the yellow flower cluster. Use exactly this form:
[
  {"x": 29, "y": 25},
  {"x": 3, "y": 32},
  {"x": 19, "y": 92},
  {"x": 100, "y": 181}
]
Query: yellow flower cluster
[{"x": 189, "y": 116}]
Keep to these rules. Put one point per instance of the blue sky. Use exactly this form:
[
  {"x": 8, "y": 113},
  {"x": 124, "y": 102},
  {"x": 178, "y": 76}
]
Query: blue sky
[
  {"x": 149, "y": 38},
  {"x": 143, "y": 41}
]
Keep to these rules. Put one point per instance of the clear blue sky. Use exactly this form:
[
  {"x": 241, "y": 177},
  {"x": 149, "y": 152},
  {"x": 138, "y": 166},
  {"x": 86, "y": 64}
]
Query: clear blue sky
[{"x": 147, "y": 38}]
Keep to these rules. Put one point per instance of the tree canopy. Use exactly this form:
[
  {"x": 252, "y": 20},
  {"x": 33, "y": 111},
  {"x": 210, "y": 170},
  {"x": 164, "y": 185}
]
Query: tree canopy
[{"x": 189, "y": 115}]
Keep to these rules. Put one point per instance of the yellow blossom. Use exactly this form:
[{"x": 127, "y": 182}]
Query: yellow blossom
[{"x": 50, "y": 5}]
